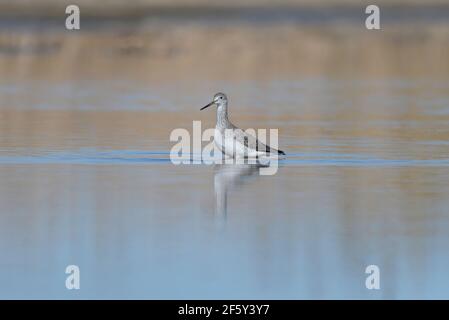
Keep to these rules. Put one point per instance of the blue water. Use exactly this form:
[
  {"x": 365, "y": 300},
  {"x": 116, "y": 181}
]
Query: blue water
[
  {"x": 129, "y": 157},
  {"x": 140, "y": 227}
]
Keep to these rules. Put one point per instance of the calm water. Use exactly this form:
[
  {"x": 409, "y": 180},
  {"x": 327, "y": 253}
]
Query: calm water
[{"x": 86, "y": 177}]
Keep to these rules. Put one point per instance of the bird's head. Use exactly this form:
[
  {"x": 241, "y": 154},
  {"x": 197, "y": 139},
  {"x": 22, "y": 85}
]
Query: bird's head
[{"x": 219, "y": 100}]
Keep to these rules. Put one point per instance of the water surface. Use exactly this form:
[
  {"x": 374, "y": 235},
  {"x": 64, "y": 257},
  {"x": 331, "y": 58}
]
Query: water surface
[{"x": 86, "y": 178}]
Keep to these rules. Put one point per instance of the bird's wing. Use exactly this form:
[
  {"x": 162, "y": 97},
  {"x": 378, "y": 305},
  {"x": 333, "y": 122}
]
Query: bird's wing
[{"x": 253, "y": 143}]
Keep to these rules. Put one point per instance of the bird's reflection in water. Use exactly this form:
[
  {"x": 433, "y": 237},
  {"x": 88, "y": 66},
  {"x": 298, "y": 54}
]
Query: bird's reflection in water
[{"x": 226, "y": 179}]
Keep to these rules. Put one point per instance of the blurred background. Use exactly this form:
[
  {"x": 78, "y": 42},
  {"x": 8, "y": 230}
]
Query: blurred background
[{"x": 85, "y": 176}]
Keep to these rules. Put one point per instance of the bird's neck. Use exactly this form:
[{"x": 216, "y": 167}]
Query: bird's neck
[{"x": 222, "y": 116}]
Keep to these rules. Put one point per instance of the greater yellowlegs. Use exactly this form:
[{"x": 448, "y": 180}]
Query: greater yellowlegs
[{"x": 235, "y": 142}]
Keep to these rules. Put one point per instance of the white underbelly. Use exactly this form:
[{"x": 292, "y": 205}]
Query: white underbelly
[
  {"x": 232, "y": 148},
  {"x": 224, "y": 143}
]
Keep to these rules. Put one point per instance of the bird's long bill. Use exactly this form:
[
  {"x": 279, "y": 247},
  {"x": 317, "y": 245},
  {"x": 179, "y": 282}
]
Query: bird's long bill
[{"x": 208, "y": 105}]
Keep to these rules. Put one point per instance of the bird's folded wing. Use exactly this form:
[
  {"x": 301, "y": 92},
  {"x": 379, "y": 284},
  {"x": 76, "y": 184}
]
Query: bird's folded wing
[{"x": 251, "y": 142}]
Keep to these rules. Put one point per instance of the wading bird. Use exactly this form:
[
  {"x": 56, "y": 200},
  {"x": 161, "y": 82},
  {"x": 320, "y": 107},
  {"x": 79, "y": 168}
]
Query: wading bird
[{"x": 235, "y": 142}]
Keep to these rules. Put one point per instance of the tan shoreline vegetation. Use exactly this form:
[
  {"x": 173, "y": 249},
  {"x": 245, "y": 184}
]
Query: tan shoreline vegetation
[
  {"x": 132, "y": 8},
  {"x": 165, "y": 53}
]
